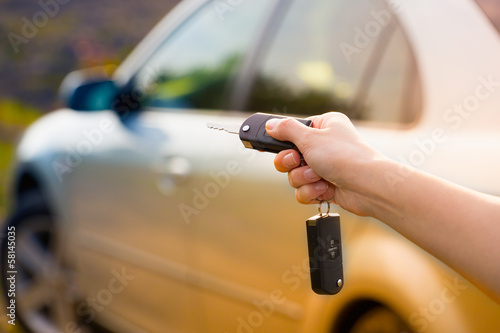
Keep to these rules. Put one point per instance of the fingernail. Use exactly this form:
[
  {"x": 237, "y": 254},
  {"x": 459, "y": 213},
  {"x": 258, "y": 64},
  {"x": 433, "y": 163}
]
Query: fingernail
[
  {"x": 289, "y": 161},
  {"x": 271, "y": 124},
  {"x": 320, "y": 186},
  {"x": 310, "y": 174}
]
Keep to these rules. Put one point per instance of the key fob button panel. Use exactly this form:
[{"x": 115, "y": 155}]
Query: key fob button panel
[{"x": 253, "y": 134}]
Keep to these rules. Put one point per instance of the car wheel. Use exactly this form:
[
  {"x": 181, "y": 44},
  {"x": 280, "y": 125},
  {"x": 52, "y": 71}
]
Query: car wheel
[
  {"x": 45, "y": 296},
  {"x": 379, "y": 319}
]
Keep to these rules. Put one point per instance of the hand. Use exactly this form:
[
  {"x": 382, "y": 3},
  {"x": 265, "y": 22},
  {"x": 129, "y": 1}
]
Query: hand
[{"x": 337, "y": 160}]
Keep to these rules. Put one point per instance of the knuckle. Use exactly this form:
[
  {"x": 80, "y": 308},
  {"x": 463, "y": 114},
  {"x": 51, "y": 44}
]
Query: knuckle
[
  {"x": 338, "y": 115},
  {"x": 292, "y": 179},
  {"x": 300, "y": 198},
  {"x": 305, "y": 194},
  {"x": 341, "y": 116},
  {"x": 286, "y": 123}
]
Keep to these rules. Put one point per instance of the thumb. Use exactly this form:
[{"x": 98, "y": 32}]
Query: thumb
[{"x": 288, "y": 129}]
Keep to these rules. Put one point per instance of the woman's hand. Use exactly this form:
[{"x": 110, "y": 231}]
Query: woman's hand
[{"x": 336, "y": 157}]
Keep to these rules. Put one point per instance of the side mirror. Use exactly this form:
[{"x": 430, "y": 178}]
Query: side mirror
[{"x": 89, "y": 90}]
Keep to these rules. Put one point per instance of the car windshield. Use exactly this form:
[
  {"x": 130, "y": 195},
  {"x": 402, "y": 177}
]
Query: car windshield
[{"x": 492, "y": 9}]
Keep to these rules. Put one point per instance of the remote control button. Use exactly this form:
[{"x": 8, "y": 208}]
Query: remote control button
[{"x": 333, "y": 251}]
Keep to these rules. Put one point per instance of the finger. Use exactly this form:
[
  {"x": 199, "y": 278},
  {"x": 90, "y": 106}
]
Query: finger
[
  {"x": 287, "y": 160},
  {"x": 329, "y": 195},
  {"x": 302, "y": 176},
  {"x": 309, "y": 193},
  {"x": 288, "y": 129}
]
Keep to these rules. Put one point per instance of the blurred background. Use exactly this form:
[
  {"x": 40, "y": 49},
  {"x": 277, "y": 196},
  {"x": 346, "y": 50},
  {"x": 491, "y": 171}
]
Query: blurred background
[
  {"x": 77, "y": 34},
  {"x": 80, "y": 34}
]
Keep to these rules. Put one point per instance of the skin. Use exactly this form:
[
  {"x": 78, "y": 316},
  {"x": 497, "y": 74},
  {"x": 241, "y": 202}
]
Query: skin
[{"x": 455, "y": 224}]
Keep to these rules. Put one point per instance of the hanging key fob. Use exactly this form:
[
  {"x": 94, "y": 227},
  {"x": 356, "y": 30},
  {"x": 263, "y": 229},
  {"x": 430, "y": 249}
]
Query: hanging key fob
[
  {"x": 253, "y": 134},
  {"x": 325, "y": 253}
]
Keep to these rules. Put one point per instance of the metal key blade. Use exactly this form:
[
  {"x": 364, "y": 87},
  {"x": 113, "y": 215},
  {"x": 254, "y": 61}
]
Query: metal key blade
[{"x": 233, "y": 129}]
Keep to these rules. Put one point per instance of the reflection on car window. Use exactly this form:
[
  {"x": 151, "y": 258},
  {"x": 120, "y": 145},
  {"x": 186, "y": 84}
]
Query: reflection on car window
[
  {"x": 389, "y": 94},
  {"x": 195, "y": 65},
  {"x": 325, "y": 57}
]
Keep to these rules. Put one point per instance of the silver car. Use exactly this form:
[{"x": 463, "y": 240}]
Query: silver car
[{"x": 132, "y": 216}]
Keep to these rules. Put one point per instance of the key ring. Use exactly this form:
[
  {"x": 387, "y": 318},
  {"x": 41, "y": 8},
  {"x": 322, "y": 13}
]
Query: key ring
[
  {"x": 321, "y": 202},
  {"x": 328, "y": 209}
]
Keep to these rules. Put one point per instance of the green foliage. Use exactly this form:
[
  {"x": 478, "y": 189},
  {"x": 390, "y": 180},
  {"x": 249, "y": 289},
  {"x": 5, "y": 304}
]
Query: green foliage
[
  {"x": 14, "y": 118},
  {"x": 13, "y": 113},
  {"x": 6, "y": 155},
  {"x": 199, "y": 87}
]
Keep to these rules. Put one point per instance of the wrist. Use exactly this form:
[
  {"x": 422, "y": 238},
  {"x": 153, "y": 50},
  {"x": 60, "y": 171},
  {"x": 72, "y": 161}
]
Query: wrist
[{"x": 376, "y": 181}]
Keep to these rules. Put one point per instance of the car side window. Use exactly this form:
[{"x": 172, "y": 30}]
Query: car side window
[
  {"x": 329, "y": 56},
  {"x": 196, "y": 64},
  {"x": 394, "y": 93}
]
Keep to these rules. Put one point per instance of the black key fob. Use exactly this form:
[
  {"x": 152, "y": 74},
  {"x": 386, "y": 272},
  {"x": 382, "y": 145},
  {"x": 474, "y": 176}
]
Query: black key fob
[
  {"x": 254, "y": 136},
  {"x": 325, "y": 253}
]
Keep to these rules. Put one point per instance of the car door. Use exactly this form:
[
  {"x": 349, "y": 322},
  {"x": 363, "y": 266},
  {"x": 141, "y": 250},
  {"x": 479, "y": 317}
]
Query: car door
[
  {"x": 142, "y": 184},
  {"x": 126, "y": 232}
]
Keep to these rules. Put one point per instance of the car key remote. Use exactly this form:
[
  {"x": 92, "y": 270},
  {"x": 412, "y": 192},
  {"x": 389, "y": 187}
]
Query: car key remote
[
  {"x": 325, "y": 253},
  {"x": 254, "y": 136}
]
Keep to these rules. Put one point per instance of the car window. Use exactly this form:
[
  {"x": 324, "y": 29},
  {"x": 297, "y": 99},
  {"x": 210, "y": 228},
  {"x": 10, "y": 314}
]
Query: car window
[
  {"x": 393, "y": 91},
  {"x": 330, "y": 55},
  {"x": 195, "y": 65}
]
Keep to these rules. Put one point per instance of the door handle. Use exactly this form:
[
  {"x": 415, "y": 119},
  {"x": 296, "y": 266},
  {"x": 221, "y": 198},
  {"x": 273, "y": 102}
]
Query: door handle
[{"x": 173, "y": 172}]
